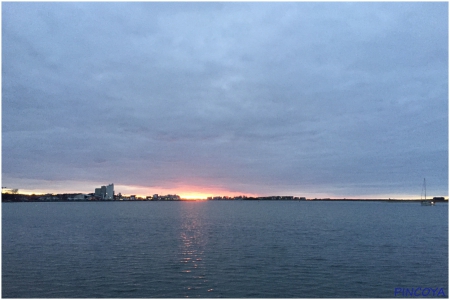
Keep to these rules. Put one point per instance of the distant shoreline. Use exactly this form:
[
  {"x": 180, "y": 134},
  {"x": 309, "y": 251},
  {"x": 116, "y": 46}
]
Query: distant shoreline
[{"x": 30, "y": 198}]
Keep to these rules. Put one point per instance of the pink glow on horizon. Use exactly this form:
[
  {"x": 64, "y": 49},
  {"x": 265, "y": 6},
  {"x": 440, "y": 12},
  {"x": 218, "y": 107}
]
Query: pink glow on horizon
[{"x": 185, "y": 191}]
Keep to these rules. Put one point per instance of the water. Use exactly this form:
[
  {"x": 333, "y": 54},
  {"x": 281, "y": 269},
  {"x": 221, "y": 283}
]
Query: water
[{"x": 222, "y": 249}]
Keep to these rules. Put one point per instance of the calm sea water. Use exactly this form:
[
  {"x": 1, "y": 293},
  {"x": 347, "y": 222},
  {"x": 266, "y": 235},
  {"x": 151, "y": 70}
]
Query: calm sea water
[{"x": 222, "y": 249}]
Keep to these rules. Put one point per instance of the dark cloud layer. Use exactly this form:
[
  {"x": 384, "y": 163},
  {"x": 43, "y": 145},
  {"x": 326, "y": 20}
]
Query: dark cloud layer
[{"x": 264, "y": 98}]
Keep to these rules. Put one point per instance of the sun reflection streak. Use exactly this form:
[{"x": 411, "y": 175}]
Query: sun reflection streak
[{"x": 193, "y": 241}]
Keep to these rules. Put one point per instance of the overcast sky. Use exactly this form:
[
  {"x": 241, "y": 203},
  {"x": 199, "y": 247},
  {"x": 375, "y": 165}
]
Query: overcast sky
[{"x": 303, "y": 99}]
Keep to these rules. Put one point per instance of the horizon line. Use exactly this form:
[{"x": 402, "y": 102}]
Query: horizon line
[{"x": 239, "y": 197}]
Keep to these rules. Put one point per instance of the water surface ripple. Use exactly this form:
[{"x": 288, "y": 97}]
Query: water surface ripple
[{"x": 222, "y": 249}]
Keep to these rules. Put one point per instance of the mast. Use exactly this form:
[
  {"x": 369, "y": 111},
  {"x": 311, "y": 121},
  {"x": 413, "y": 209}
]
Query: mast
[
  {"x": 424, "y": 190},
  {"x": 425, "y": 187}
]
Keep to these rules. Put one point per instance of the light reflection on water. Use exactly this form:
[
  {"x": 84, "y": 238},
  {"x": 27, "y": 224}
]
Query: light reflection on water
[{"x": 193, "y": 240}]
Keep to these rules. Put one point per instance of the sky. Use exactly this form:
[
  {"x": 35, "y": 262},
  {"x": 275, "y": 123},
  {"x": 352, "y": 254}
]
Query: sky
[{"x": 210, "y": 99}]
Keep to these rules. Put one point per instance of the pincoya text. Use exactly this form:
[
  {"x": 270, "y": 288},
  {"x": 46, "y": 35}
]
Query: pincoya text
[{"x": 419, "y": 292}]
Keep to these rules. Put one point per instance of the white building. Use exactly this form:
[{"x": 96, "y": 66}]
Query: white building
[
  {"x": 109, "y": 192},
  {"x": 105, "y": 192}
]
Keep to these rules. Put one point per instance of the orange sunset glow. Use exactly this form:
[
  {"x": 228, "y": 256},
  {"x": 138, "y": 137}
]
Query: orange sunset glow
[{"x": 185, "y": 191}]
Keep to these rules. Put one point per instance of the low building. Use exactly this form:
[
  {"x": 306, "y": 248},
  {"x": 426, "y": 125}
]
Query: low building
[
  {"x": 79, "y": 197},
  {"x": 48, "y": 197},
  {"x": 438, "y": 199}
]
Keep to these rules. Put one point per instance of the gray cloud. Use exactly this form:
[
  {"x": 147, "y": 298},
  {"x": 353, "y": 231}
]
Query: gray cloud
[{"x": 337, "y": 98}]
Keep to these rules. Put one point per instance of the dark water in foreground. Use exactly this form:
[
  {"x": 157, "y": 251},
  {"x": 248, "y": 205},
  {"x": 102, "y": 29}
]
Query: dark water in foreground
[{"x": 222, "y": 249}]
